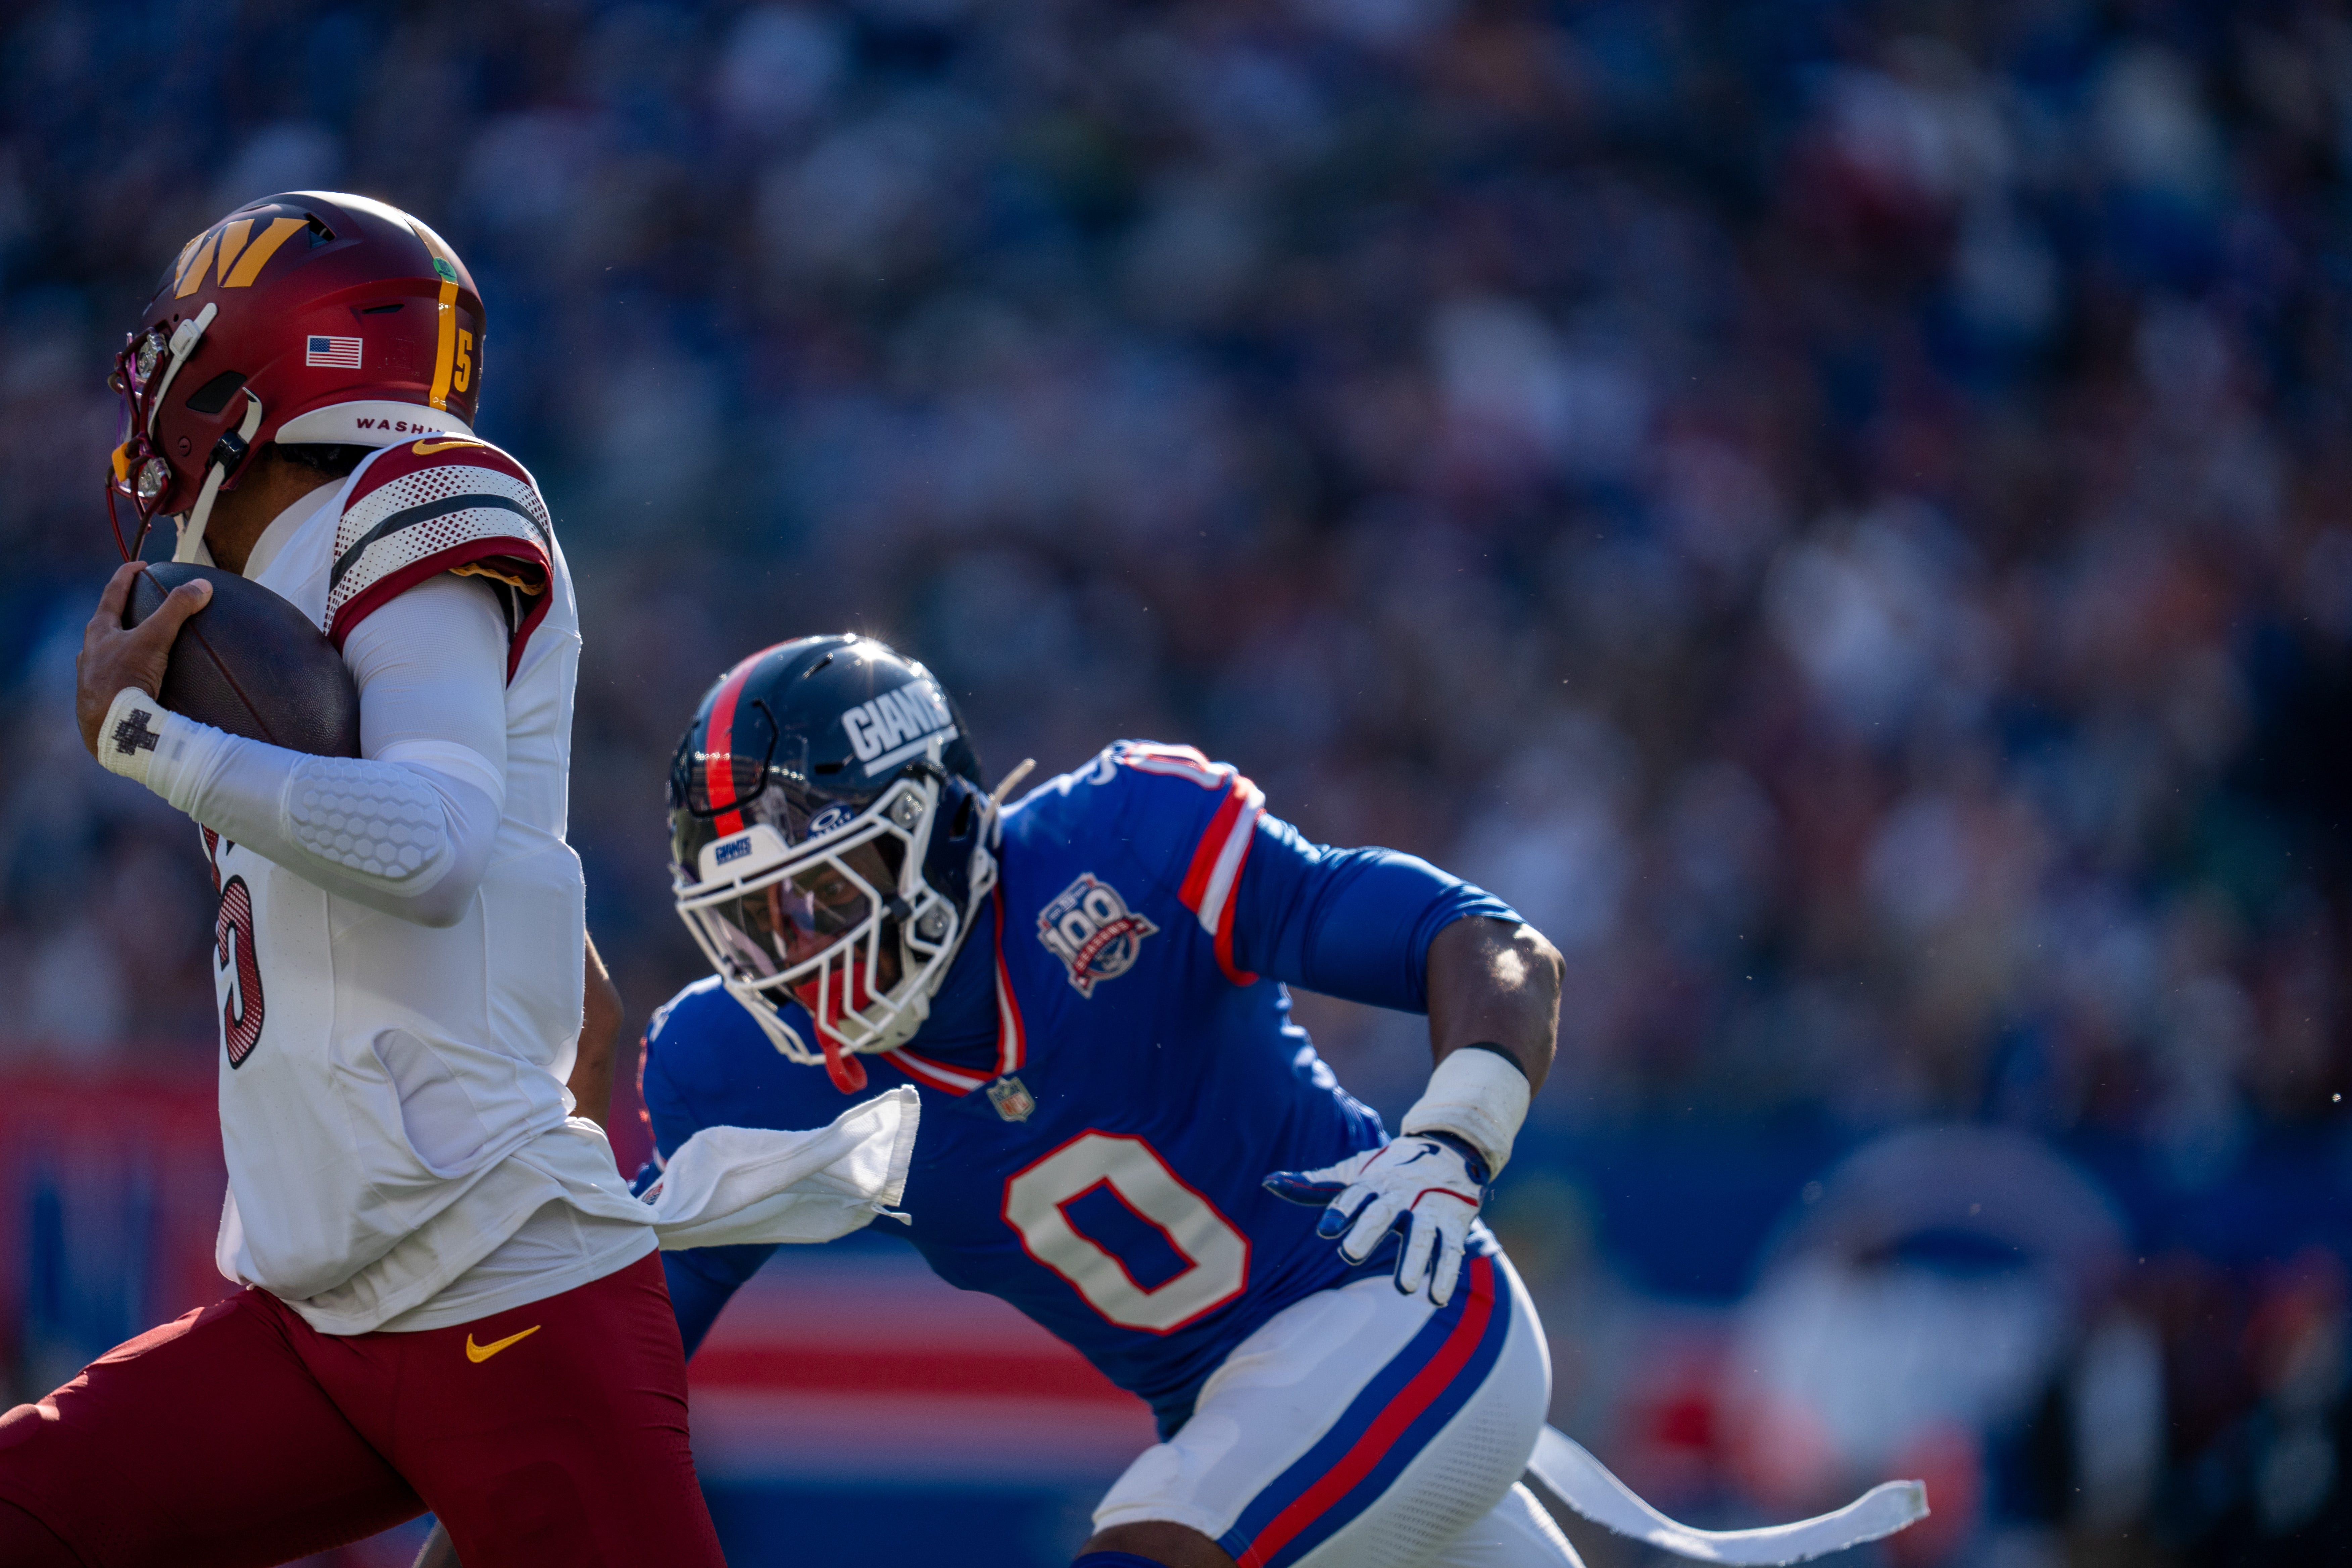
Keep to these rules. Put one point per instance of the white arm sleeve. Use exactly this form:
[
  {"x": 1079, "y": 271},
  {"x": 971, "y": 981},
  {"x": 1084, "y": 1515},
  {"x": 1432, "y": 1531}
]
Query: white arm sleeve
[{"x": 408, "y": 827}]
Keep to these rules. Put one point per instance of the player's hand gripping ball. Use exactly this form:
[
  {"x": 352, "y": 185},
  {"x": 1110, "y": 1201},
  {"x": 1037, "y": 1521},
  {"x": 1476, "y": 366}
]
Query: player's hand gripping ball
[
  {"x": 1429, "y": 1185},
  {"x": 217, "y": 648}
]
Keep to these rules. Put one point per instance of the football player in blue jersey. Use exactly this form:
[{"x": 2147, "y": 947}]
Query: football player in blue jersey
[{"x": 1123, "y": 1134}]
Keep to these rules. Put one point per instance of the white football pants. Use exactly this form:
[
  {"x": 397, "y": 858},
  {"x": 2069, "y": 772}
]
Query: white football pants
[{"x": 1362, "y": 1428}]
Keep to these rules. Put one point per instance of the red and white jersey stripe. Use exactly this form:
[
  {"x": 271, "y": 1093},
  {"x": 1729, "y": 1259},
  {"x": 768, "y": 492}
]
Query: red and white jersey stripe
[
  {"x": 1212, "y": 881},
  {"x": 449, "y": 504},
  {"x": 934, "y": 1074}
]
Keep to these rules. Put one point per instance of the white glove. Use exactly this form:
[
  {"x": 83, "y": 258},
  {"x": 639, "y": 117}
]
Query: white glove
[{"x": 1429, "y": 1184}]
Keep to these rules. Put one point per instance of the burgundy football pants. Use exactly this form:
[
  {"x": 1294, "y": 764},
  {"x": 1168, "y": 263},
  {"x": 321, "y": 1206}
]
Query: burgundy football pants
[{"x": 239, "y": 1435}]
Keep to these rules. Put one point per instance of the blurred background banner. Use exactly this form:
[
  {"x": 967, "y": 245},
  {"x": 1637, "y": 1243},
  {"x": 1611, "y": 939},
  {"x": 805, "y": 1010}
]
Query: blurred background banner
[{"x": 1838, "y": 511}]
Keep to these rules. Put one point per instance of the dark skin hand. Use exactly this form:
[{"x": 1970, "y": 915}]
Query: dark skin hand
[
  {"x": 112, "y": 658},
  {"x": 1491, "y": 982}
]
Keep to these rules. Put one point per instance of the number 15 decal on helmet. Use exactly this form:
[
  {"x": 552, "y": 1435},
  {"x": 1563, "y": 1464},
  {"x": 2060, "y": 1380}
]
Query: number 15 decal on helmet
[
  {"x": 831, "y": 840},
  {"x": 307, "y": 318}
]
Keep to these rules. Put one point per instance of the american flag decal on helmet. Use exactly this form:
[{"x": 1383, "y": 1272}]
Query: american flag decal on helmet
[{"x": 341, "y": 354}]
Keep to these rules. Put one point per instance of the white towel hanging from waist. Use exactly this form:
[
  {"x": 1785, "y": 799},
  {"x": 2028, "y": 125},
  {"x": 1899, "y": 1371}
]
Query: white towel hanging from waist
[{"x": 1561, "y": 1466}]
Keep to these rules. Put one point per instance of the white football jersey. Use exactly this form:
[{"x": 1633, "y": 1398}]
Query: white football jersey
[{"x": 392, "y": 1095}]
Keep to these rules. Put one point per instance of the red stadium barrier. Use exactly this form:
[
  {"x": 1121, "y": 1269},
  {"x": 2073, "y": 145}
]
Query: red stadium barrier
[
  {"x": 864, "y": 1365},
  {"x": 850, "y": 1363},
  {"x": 113, "y": 1191}
]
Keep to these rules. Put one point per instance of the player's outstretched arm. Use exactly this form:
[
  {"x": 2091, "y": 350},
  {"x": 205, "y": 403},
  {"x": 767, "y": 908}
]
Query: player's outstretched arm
[{"x": 1494, "y": 1014}]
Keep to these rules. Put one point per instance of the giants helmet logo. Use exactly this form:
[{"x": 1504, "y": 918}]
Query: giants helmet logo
[{"x": 1090, "y": 929}]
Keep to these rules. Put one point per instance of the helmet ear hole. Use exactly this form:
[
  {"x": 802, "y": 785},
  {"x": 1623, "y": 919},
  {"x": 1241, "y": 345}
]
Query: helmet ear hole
[
  {"x": 213, "y": 395},
  {"x": 962, "y": 823}
]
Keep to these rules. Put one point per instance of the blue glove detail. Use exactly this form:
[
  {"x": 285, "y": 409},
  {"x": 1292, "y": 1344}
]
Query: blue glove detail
[{"x": 1427, "y": 1185}]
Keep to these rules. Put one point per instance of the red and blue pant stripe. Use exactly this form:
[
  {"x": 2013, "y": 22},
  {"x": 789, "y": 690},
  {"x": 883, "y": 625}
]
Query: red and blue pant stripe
[{"x": 1385, "y": 1427}]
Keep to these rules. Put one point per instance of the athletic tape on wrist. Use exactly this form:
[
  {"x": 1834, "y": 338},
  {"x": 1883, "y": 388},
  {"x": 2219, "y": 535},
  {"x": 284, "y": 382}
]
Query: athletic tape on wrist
[
  {"x": 131, "y": 733},
  {"x": 1480, "y": 1096}
]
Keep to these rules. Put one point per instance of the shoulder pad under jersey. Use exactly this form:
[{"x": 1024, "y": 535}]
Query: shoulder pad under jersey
[
  {"x": 439, "y": 504},
  {"x": 1191, "y": 822}
]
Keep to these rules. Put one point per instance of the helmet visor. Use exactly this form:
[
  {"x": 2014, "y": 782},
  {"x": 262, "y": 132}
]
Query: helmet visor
[
  {"x": 842, "y": 923},
  {"x": 791, "y": 922}
]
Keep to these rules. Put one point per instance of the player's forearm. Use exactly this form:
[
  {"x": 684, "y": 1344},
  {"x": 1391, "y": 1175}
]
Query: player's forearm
[
  {"x": 1494, "y": 1016},
  {"x": 408, "y": 840},
  {"x": 1497, "y": 984},
  {"x": 601, "y": 1015},
  {"x": 408, "y": 829}
]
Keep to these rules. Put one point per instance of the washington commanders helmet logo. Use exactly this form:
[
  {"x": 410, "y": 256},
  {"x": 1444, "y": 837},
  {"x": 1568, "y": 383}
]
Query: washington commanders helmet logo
[{"x": 1090, "y": 929}]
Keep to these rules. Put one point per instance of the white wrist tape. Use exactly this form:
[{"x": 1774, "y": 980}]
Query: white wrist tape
[
  {"x": 134, "y": 727},
  {"x": 1478, "y": 1096}
]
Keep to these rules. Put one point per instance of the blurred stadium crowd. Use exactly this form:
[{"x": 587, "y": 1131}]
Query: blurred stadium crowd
[{"x": 1838, "y": 512}]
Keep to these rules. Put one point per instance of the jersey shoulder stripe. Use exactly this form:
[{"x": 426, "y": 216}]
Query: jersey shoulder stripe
[
  {"x": 1213, "y": 876},
  {"x": 1194, "y": 844},
  {"x": 440, "y": 504}
]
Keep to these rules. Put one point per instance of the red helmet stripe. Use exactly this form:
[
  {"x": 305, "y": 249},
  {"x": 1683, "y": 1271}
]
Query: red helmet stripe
[
  {"x": 719, "y": 749},
  {"x": 719, "y": 782}
]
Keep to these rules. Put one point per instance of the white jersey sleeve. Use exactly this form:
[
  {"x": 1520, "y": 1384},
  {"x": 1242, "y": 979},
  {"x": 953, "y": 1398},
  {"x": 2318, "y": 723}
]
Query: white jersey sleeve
[
  {"x": 415, "y": 511},
  {"x": 407, "y": 828}
]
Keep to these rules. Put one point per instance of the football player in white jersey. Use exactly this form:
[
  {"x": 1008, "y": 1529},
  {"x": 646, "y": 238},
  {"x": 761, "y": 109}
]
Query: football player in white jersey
[{"x": 451, "y": 1300}]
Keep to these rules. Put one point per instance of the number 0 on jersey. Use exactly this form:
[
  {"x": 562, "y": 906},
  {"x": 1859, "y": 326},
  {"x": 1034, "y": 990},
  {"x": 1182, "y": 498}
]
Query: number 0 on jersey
[{"x": 1036, "y": 1204}]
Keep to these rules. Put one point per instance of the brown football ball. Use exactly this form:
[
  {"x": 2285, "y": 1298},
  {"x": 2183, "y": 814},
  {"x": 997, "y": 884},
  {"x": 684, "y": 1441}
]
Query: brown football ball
[{"x": 252, "y": 664}]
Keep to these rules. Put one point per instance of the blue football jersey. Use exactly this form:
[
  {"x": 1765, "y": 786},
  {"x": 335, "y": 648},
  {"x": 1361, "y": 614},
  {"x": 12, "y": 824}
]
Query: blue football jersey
[{"x": 1106, "y": 1081}]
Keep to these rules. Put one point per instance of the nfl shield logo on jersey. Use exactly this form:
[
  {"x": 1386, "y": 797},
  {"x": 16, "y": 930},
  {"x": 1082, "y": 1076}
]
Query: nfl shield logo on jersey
[
  {"x": 1012, "y": 1099},
  {"x": 1090, "y": 929}
]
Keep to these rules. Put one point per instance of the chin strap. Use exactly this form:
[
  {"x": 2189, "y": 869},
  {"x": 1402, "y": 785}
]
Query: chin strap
[
  {"x": 227, "y": 453},
  {"x": 848, "y": 1073}
]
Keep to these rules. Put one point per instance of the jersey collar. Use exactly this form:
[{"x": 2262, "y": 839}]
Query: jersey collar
[{"x": 959, "y": 1033}]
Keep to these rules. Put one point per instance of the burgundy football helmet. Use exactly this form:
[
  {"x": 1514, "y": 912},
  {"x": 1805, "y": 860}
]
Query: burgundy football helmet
[{"x": 308, "y": 318}]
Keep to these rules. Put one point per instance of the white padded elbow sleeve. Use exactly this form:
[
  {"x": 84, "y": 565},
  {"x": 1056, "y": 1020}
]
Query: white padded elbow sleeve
[{"x": 370, "y": 818}]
